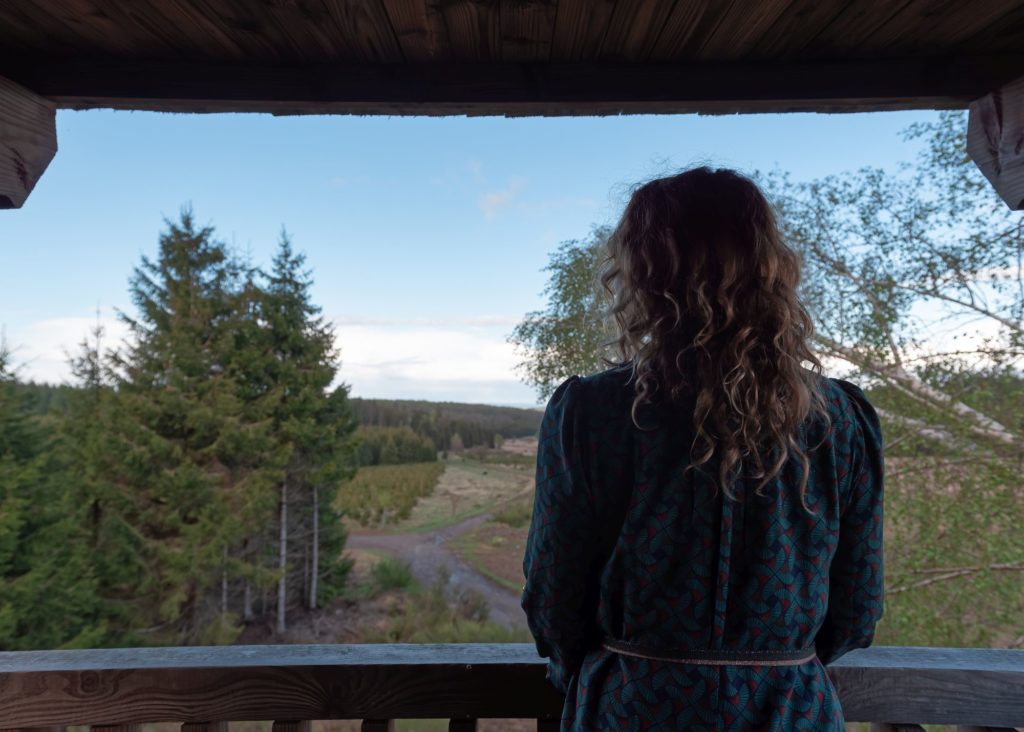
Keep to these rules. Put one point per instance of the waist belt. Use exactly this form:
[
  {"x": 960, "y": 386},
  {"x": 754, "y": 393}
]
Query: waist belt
[{"x": 711, "y": 656}]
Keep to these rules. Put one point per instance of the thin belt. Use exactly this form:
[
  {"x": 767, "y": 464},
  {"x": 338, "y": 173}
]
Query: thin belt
[{"x": 711, "y": 656}]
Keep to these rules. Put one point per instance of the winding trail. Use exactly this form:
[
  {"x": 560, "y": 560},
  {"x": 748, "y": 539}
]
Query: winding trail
[{"x": 426, "y": 553}]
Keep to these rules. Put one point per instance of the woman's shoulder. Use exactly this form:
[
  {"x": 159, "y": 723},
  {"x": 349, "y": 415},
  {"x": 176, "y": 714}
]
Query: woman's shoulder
[
  {"x": 602, "y": 390},
  {"x": 608, "y": 383},
  {"x": 849, "y": 407}
]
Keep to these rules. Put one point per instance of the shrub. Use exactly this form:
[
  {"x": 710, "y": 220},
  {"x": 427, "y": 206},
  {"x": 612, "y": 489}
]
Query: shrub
[
  {"x": 441, "y": 614},
  {"x": 391, "y": 574},
  {"x": 516, "y": 514}
]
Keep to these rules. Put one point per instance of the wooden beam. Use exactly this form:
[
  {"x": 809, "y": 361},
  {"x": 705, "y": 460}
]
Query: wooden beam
[
  {"x": 569, "y": 88},
  {"x": 28, "y": 141},
  {"x": 995, "y": 140},
  {"x": 375, "y": 682}
]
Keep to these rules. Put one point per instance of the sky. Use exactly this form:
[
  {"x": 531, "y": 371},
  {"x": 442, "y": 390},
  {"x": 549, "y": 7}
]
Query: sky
[{"x": 427, "y": 237}]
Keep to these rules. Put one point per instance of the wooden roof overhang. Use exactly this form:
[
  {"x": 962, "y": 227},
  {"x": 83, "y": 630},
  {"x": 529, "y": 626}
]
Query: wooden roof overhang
[{"x": 510, "y": 57}]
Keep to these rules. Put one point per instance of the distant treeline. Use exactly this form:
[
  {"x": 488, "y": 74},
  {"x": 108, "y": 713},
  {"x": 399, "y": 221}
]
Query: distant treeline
[
  {"x": 393, "y": 446},
  {"x": 449, "y": 425}
]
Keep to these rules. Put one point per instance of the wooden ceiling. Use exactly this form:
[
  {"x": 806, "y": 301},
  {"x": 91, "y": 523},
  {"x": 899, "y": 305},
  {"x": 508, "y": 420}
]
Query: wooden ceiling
[{"x": 511, "y": 56}]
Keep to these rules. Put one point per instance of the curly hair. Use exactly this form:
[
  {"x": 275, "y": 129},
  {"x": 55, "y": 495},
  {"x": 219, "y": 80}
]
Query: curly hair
[{"x": 703, "y": 294}]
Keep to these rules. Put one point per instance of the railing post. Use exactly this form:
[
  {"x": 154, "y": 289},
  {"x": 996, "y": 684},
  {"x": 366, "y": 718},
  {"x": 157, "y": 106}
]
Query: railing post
[{"x": 461, "y": 725}]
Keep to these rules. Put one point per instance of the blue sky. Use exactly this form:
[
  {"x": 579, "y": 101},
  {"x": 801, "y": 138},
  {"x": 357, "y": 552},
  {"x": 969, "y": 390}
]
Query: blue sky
[{"x": 427, "y": 236}]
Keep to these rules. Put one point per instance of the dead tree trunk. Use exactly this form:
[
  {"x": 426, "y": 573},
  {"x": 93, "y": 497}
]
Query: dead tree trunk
[
  {"x": 315, "y": 573},
  {"x": 282, "y": 583}
]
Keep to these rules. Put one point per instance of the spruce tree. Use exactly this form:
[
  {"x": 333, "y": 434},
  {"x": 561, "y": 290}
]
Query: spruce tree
[
  {"x": 178, "y": 401},
  {"x": 314, "y": 429},
  {"x": 47, "y": 591},
  {"x": 95, "y": 499}
]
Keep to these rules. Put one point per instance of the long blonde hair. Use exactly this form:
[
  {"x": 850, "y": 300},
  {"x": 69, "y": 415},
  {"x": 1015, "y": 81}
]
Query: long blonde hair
[{"x": 704, "y": 298}]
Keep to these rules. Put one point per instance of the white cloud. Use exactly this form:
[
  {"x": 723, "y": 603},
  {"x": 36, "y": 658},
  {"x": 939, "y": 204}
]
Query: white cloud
[
  {"x": 478, "y": 321},
  {"x": 493, "y": 201},
  {"x": 456, "y": 359},
  {"x": 41, "y": 348},
  {"x": 429, "y": 362}
]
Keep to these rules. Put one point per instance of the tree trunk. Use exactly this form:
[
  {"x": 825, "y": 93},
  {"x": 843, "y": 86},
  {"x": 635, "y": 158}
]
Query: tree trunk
[
  {"x": 247, "y": 603},
  {"x": 316, "y": 549},
  {"x": 304, "y": 593},
  {"x": 282, "y": 586},
  {"x": 247, "y": 612},
  {"x": 224, "y": 586}
]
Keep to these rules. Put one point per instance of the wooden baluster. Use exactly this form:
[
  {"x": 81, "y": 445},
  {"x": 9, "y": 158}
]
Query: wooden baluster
[
  {"x": 378, "y": 725},
  {"x": 291, "y": 726},
  {"x": 461, "y": 725}
]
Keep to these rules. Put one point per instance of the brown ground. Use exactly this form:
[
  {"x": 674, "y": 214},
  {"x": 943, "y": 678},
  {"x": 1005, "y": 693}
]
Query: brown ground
[
  {"x": 429, "y": 553},
  {"x": 496, "y": 550}
]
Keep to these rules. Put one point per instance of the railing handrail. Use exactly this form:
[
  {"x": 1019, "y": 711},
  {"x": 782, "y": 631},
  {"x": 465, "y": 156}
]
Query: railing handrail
[{"x": 236, "y": 683}]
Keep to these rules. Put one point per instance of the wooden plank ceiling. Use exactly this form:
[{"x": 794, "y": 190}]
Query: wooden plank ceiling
[{"x": 511, "y": 56}]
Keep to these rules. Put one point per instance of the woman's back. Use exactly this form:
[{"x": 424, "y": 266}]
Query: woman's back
[
  {"x": 707, "y": 526},
  {"x": 664, "y": 560}
]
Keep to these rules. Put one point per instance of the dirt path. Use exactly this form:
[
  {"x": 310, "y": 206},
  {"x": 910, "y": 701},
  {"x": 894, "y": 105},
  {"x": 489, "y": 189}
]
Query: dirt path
[{"x": 426, "y": 553}]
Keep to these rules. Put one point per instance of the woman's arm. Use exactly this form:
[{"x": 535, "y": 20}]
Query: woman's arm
[
  {"x": 856, "y": 576},
  {"x": 561, "y": 563}
]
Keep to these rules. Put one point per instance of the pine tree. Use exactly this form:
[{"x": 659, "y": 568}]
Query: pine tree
[
  {"x": 47, "y": 592},
  {"x": 94, "y": 499},
  {"x": 315, "y": 431},
  {"x": 178, "y": 402}
]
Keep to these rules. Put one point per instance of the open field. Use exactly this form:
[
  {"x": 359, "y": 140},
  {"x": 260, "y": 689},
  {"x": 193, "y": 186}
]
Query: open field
[
  {"x": 453, "y": 530},
  {"x": 467, "y": 488}
]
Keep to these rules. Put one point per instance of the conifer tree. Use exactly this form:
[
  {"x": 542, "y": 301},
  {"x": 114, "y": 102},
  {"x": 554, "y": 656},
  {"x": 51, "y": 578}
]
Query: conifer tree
[
  {"x": 314, "y": 430},
  {"x": 178, "y": 402},
  {"x": 99, "y": 504},
  {"x": 47, "y": 592}
]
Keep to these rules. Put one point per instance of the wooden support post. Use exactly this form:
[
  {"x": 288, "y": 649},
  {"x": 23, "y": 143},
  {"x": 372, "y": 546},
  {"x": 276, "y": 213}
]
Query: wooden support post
[
  {"x": 292, "y": 726},
  {"x": 461, "y": 725},
  {"x": 28, "y": 141},
  {"x": 204, "y": 727},
  {"x": 995, "y": 140},
  {"x": 378, "y": 725}
]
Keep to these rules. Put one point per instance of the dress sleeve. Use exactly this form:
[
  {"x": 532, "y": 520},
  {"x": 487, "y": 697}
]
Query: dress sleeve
[
  {"x": 561, "y": 565},
  {"x": 856, "y": 577}
]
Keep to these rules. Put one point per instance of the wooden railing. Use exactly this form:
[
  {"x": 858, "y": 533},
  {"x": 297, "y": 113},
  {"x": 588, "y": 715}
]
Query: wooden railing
[{"x": 203, "y": 687}]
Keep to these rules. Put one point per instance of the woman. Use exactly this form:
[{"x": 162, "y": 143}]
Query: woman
[{"x": 707, "y": 528}]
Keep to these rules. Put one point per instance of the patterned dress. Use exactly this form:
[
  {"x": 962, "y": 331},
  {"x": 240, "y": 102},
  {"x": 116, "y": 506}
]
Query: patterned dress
[{"x": 626, "y": 543}]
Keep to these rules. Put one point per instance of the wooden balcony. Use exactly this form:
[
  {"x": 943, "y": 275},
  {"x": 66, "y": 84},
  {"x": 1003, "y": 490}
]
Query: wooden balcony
[{"x": 204, "y": 687}]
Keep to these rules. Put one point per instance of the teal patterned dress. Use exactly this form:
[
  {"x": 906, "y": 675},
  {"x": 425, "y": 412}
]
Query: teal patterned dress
[{"x": 626, "y": 543}]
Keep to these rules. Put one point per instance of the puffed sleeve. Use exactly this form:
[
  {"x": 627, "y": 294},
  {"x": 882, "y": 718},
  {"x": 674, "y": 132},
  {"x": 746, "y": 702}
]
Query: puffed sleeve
[
  {"x": 855, "y": 577},
  {"x": 561, "y": 564}
]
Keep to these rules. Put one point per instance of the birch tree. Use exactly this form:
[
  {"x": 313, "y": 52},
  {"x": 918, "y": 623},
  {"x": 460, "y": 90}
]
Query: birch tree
[{"x": 915, "y": 277}]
